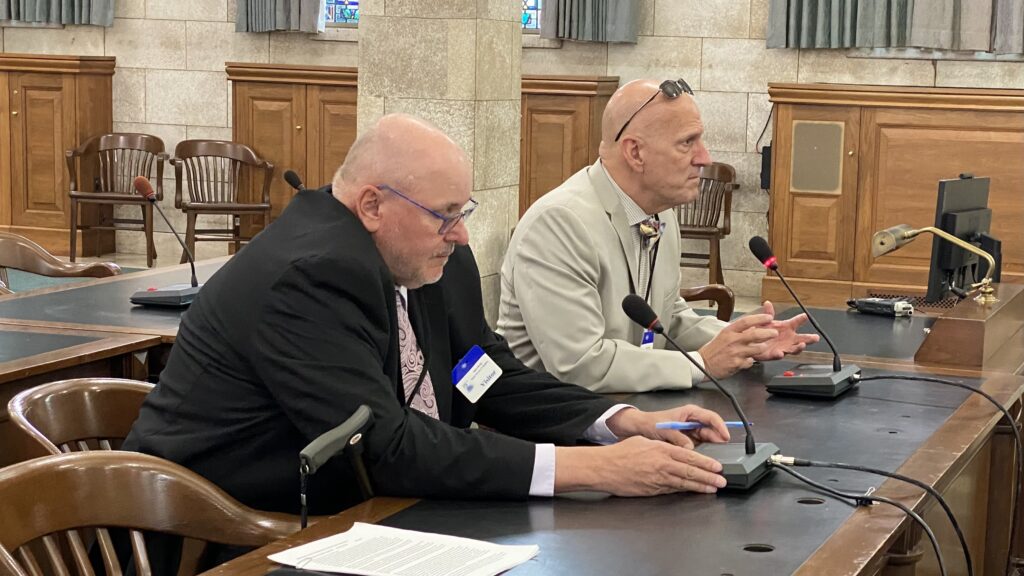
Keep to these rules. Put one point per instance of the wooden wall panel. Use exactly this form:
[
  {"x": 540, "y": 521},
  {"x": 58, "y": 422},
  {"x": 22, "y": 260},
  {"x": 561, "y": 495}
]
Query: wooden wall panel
[
  {"x": 331, "y": 116},
  {"x": 5, "y": 150},
  {"x": 555, "y": 144}
]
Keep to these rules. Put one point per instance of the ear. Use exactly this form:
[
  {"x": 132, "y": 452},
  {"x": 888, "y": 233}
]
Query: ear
[
  {"x": 367, "y": 208},
  {"x": 632, "y": 153}
]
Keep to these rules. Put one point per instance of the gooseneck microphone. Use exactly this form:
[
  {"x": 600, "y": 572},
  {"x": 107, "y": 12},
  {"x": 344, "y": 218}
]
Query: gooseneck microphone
[
  {"x": 176, "y": 295},
  {"x": 805, "y": 379},
  {"x": 741, "y": 470},
  {"x": 293, "y": 180}
]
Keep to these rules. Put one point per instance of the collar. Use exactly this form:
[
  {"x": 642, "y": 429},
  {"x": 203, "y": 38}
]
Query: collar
[{"x": 634, "y": 213}]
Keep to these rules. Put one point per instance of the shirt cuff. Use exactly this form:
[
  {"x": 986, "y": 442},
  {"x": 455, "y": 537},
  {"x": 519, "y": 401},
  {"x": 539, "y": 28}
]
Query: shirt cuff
[
  {"x": 543, "y": 481},
  {"x": 599, "y": 432},
  {"x": 697, "y": 375}
]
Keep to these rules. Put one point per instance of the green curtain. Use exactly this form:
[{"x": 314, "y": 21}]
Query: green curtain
[
  {"x": 839, "y": 23},
  {"x": 590, "y": 20},
  {"x": 271, "y": 15},
  {"x": 96, "y": 12}
]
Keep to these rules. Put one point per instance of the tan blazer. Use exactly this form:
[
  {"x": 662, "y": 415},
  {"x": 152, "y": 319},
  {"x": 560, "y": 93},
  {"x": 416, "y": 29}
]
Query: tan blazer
[{"x": 562, "y": 284}]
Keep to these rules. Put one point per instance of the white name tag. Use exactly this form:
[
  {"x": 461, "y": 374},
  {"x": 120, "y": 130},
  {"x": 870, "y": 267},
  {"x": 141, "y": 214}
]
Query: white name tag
[
  {"x": 647, "y": 340},
  {"x": 475, "y": 373}
]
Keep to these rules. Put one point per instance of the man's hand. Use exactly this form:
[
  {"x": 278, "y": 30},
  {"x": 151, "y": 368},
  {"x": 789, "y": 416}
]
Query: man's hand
[
  {"x": 789, "y": 341},
  {"x": 636, "y": 466},
  {"x": 632, "y": 422},
  {"x": 737, "y": 346}
]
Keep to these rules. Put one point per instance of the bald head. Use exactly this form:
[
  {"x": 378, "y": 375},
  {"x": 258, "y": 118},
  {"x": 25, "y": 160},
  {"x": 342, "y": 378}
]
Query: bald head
[
  {"x": 402, "y": 151},
  {"x": 658, "y": 158}
]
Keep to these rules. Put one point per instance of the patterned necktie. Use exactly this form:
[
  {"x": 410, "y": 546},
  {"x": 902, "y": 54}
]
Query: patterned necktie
[
  {"x": 650, "y": 233},
  {"x": 412, "y": 364}
]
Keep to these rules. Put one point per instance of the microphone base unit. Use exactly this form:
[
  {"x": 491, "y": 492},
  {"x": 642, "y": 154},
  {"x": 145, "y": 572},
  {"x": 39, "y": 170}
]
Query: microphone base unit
[
  {"x": 173, "y": 296},
  {"x": 814, "y": 381},
  {"x": 741, "y": 470}
]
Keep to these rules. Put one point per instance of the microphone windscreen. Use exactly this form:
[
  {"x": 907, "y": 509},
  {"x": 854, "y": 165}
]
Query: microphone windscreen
[
  {"x": 761, "y": 250},
  {"x": 293, "y": 179},
  {"x": 639, "y": 311},
  {"x": 144, "y": 188}
]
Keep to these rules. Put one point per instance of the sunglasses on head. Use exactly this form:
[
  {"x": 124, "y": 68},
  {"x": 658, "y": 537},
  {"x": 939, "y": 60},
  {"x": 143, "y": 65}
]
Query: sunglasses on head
[{"x": 670, "y": 88}]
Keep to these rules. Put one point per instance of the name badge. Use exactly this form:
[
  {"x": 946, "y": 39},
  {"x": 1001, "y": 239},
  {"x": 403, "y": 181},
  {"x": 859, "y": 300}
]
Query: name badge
[
  {"x": 475, "y": 373},
  {"x": 647, "y": 340}
]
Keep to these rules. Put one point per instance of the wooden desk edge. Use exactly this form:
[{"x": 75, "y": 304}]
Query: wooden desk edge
[
  {"x": 107, "y": 346},
  {"x": 256, "y": 562}
]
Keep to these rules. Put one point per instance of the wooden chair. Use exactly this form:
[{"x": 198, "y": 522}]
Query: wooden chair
[
  {"x": 23, "y": 254},
  {"x": 700, "y": 219},
  {"x": 720, "y": 294},
  {"x": 79, "y": 414},
  {"x": 43, "y": 497},
  {"x": 213, "y": 171},
  {"x": 120, "y": 158}
]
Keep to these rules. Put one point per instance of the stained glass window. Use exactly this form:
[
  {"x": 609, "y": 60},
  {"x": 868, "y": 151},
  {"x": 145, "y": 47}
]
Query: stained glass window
[
  {"x": 531, "y": 14},
  {"x": 342, "y": 12}
]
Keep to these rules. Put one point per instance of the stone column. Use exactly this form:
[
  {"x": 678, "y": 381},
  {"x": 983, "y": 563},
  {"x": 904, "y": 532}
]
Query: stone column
[{"x": 456, "y": 64}]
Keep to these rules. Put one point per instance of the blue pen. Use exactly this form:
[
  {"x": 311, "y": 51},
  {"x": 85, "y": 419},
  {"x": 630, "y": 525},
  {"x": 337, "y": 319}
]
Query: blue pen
[{"x": 694, "y": 425}]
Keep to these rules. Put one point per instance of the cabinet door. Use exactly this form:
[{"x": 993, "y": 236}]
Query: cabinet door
[
  {"x": 905, "y": 153},
  {"x": 42, "y": 125},
  {"x": 555, "y": 143},
  {"x": 814, "y": 192},
  {"x": 270, "y": 119},
  {"x": 331, "y": 115}
]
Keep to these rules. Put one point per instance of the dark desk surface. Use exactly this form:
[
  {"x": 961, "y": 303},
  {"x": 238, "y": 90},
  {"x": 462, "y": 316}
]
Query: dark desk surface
[
  {"x": 867, "y": 334},
  {"x": 884, "y": 424},
  {"x": 103, "y": 304},
  {"x": 26, "y": 351}
]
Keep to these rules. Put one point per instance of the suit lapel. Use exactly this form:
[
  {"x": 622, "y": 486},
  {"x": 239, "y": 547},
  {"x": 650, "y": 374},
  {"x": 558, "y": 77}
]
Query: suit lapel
[{"x": 617, "y": 215}]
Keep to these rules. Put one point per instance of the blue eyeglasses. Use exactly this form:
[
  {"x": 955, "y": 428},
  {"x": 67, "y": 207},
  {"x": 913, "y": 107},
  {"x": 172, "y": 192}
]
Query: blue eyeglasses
[{"x": 447, "y": 222}]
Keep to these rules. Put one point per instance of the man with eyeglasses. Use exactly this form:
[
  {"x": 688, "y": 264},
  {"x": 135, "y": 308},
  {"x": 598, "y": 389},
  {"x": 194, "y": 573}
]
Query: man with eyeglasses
[
  {"x": 365, "y": 292},
  {"x": 610, "y": 231}
]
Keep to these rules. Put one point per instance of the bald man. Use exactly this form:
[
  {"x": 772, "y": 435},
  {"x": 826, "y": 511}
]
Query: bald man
[
  {"x": 609, "y": 231},
  {"x": 342, "y": 301}
]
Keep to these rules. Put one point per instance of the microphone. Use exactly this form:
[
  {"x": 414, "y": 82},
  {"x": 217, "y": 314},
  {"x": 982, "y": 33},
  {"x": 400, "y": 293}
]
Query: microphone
[
  {"x": 175, "y": 295},
  {"x": 293, "y": 180},
  {"x": 741, "y": 469},
  {"x": 816, "y": 380}
]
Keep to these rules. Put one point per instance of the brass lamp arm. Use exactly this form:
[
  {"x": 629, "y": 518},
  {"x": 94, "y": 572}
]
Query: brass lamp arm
[{"x": 962, "y": 244}]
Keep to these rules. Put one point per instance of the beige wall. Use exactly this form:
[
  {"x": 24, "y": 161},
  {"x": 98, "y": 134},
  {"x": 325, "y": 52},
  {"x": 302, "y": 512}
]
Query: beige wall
[
  {"x": 718, "y": 47},
  {"x": 170, "y": 78}
]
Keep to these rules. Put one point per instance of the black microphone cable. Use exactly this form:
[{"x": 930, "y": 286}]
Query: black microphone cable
[
  {"x": 1018, "y": 444},
  {"x": 864, "y": 500},
  {"x": 788, "y": 461}
]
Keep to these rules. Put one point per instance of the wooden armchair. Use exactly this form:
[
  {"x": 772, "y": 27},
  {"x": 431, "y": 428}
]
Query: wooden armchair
[
  {"x": 120, "y": 157},
  {"x": 21, "y": 253},
  {"x": 44, "y": 497},
  {"x": 700, "y": 219},
  {"x": 720, "y": 294},
  {"x": 213, "y": 172}
]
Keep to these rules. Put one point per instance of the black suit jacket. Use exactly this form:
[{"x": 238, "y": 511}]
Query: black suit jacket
[{"x": 299, "y": 329}]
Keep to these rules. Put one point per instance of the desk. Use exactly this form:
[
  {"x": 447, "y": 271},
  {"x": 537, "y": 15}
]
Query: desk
[
  {"x": 102, "y": 304},
  {"x": 930, "y": 432},
  {"x": 30, "y": 356}
]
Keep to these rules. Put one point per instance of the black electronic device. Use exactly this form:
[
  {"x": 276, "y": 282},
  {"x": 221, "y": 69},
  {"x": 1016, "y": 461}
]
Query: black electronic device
[
  {"x": 743, "y": 465},
  {"x": 175, "y": 295},
  {"x": 812, "y": 380},
  {"x": 961, "y": 210},
  {"x": 895, "y": 307}
]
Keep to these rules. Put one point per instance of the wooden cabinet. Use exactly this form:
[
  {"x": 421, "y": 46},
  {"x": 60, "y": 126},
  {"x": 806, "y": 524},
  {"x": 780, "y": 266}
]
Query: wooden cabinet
[
  {"x": 49, "y": 104},
  {"x": 300, "y": 118},
  {"x": 851, "y": 160},
  {"x": 561, "y": 130}
]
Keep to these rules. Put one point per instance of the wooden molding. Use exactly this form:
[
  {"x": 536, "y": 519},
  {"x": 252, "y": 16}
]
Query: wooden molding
[
  {"x": 570, "y": 85},
  {"x": 897, "y": 96},
  {"x": 99, "y": 65},
  {"x": 292, "y": 74},
  {"x": 971, "y": 333}
]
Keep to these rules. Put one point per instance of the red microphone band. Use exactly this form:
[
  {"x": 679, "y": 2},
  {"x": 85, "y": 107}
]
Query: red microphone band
[
  {"x": 653, "y": 324},
  {"x": 770, "y": 263}
]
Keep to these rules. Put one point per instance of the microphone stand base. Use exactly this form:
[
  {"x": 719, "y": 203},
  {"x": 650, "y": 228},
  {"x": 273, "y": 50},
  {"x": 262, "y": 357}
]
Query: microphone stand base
[
  {"x": 814, "y": 381},
  {"x": 741, "y": 470},
  {"x": 174, "y": 296}
]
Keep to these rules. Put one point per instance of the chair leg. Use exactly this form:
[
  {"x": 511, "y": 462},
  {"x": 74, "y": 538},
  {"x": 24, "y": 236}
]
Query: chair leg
[
  {"x": 190, "y": 236},
  {"x": 715, "y": 262},
  {"x": 74, "y": 229},
  {"x": 236, "y": 231},
  {"x": 147, "y": 224}
]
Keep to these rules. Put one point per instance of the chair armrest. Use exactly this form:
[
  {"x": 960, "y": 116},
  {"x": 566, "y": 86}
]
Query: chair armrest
[
  {"x": 161, "y": 157},
  {"x": 727, "y": 201},
  {"x": 718, "y": 293},
  {"x": 177, "y": 163}
]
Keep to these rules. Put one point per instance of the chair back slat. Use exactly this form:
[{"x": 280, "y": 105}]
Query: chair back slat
[
  {"x": 142, "y": 566},
  {"x": 120, "y": 158},
  {"x": 706, "y": 211},
  {"x": 79, "y": 553},
  {"x": 212, "y": 179},
  {"x": 57, "y": 565},
  {"x": 29, "y": 563}
]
